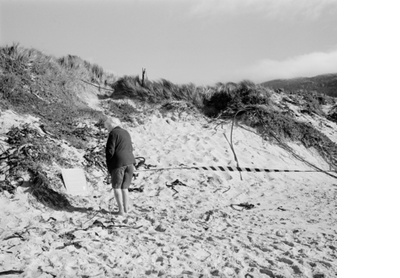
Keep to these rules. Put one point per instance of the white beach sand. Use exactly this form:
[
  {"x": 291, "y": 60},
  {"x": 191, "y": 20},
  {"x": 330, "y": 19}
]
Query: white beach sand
[{"x": 199, "y": 230}]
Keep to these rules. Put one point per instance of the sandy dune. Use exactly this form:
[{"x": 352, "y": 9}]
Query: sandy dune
[{"x": 213, "y": 224}]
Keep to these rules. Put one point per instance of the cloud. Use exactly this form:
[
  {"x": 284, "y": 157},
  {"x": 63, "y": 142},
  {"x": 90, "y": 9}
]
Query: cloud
[
  {"x": 307, "y": 65},
  {"x": 310, "y": 9},
  {"x": 275, "y": 9}
]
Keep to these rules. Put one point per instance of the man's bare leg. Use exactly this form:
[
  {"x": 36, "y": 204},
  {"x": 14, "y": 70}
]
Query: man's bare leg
[
  {"x": 119, "y": 199},
  {"x": 125, "y": 199}
]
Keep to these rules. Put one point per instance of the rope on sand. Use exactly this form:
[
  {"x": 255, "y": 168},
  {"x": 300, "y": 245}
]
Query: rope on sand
[{"x": 232, "y": 169}]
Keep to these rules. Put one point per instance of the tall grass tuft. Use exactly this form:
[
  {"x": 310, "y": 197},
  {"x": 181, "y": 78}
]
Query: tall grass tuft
[
  {"x": 38, "y": 84},
  {"x": 71, "y": 62}
]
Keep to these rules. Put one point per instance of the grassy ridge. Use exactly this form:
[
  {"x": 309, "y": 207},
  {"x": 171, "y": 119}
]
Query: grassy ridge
[
  {"x": 34, "y": 83},
  {"x": 26, "y": 74},
  {"x": 246, "y": 100},
  {"x": 157, "y": 91}
]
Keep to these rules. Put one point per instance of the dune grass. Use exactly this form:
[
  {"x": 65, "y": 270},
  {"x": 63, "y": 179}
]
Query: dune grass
[
  {"x": 249, "y": 102},
  {"x": 32, "y": 82}
]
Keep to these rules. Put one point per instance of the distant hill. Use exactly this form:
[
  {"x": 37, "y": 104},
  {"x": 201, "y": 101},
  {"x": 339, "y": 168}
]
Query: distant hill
[{"x": 325, "y": 84}]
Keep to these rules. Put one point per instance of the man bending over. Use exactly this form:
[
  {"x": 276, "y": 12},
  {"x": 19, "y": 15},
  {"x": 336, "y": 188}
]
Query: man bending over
[{"x": 120, "y": 162}]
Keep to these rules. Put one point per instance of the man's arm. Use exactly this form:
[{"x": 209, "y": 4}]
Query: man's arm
[{"x": 110, "y": 148}]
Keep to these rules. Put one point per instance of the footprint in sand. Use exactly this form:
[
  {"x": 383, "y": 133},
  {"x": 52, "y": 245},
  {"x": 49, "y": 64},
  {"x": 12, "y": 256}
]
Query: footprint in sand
[
  {"x": 198, "y": 159},
  {"x": 200, "y": 148},
  {"x": 226, "y": 176}
]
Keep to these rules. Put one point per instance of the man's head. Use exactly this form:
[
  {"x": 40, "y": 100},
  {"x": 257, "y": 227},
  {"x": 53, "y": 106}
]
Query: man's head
[{"x": 111, "y": 123}]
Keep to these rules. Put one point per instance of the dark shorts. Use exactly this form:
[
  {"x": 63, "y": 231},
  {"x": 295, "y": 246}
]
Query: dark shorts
[{"x": 121, "y": 177}]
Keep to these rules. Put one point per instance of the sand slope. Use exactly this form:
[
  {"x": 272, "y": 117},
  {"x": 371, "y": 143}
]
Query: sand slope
[{"x": 200, "y": 228}]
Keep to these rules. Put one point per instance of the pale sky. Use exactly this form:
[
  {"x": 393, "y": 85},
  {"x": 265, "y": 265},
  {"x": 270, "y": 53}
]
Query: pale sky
[{"x": 184, "y": 41}]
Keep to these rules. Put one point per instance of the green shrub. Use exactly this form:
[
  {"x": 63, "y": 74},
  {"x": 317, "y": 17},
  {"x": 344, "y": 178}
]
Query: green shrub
[
  {"x": 234, "y": 96},
  {"x": 217, "y": 103}
]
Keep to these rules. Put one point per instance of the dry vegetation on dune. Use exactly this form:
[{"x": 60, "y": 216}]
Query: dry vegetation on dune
[
  {"x": 183, "y": 224},
  {"x": 245, "y": 101},
  {"x": 28, "y": 75},
  {"x": 32, "y": 83},
  {"x": 41, "y": 85},
  {"x": 50, "y": 88}
]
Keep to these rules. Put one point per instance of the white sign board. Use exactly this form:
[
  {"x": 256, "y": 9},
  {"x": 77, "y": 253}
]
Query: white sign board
[{"x": 75, "y": 181}]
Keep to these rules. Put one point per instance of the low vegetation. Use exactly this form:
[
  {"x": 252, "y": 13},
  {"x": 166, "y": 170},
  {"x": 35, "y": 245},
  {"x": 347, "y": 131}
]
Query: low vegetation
[
  {"x": 246, "y": 100},
  {"x": 41, "y": 85},
  {"x": 50, "y": 88},
  {"x": 31, "y": 152}
]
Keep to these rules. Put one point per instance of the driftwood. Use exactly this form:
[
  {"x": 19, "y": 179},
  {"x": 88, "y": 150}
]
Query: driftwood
[
  {"x": 246, "y": 206},
  {"x": 173, "y": 184},
  {"x": 9, "y": 272}
]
